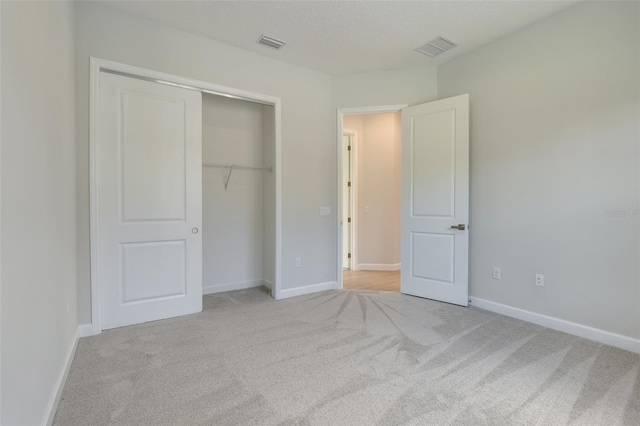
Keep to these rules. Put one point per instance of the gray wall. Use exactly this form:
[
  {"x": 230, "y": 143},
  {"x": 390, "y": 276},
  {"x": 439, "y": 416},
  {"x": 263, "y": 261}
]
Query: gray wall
[
  {"x": 308, "y": 146},
  {"x": 554, "y": 146},
  {"x": 381, "y": 88},
  {"x": 38, "y": 312}
]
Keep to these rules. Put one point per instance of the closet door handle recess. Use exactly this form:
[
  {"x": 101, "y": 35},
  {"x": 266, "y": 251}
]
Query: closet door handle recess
[{"x": 194, "y": 230}]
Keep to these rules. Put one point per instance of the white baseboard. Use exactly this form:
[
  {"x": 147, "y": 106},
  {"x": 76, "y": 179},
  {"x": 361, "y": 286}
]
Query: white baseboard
[
  {"x": 597, "y": 335},
  {"x": 219, "y": 288},
  {"x": 379, "y": 267},
  {"x": 50, "y": 413},
  {"x": 85, "y": 330},
  {"x": 308, "y": 289}
]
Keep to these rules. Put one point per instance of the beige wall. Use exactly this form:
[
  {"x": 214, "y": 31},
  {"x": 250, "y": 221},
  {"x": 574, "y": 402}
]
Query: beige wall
[
  {"x": 378, "y": 149},
  {"x": 38, "y": 311},
  {"x": 554, "y": 146}
]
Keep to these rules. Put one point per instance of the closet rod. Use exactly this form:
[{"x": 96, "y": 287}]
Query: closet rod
[
  {"x": 236, "y": 167},
  {"x": 231, "y": 167}
]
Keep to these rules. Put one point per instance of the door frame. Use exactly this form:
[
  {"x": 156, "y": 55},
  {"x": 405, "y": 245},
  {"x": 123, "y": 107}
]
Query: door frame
[
  {"x": 341, "y": 112},
  {"x": 354, "y": 197},
  {"x": 101, "y": 65}
]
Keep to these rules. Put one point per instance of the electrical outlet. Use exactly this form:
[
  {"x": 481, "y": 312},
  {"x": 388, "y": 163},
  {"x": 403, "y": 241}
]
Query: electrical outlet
[
  {"x": 366, "y": 209},
  {"x": 540, "y": 280},
  {"x": 497, "y": 273},
  {"x": 298, "y": 262}
]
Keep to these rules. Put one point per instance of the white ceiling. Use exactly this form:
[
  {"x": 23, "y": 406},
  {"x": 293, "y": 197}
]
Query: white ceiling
[{"x": 341, "y": 37}]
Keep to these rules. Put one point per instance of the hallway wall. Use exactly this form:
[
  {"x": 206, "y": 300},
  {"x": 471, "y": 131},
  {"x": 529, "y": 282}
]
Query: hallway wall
[{"x": 378, "y": 189}]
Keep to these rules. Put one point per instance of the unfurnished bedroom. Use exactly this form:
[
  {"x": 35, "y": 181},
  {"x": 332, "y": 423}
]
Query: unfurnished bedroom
[{"x": 319, "y": 212}]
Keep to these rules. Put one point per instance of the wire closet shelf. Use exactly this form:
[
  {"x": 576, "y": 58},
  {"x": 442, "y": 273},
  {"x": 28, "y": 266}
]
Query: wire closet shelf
[{"x": 233, "y": 167}]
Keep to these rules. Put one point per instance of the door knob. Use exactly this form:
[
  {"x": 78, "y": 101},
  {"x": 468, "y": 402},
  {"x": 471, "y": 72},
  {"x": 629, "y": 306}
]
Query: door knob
[
  {"x": 194, "y": 230},
  {"x": 460, "y": 227}
]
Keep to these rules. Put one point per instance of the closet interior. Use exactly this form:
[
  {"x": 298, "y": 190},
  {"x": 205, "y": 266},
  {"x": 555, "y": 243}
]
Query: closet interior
[{"x": 238, "y": 200}]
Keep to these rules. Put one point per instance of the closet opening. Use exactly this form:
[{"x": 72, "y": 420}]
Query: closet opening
[
  {"x": 184, "y": 193},
  {"x": 238, "y": 195}
]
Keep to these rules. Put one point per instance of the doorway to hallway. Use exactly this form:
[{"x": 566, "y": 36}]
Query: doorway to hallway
[
  {"x": 371, "y": 201},
  {"x": 433, "y": 199}
]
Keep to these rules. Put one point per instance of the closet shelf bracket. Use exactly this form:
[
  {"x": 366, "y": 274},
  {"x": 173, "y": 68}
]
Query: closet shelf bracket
[{"x": 226, "y": 184}]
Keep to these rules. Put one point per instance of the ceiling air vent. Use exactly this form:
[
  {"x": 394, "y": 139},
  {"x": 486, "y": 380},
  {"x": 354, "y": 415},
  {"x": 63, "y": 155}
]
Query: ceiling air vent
[
  {"x": 436, "y": 46},
  {"x": 271, "y": 42}
]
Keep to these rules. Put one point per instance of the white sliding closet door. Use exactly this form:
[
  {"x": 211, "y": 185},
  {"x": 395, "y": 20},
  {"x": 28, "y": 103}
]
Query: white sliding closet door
[{"x": 149, "y": 200}]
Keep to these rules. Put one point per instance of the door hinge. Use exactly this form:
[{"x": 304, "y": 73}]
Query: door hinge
[
  {"x": 348, "y": 255},
  {"x": 349, "y": 220},
  {"x": 349, "y": 184},
  {"x": 349, "y": 148}
]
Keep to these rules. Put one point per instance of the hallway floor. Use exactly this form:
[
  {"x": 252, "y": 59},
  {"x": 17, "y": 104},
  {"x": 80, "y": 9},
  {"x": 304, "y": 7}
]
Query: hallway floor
[{"x": 371, "y": 280}]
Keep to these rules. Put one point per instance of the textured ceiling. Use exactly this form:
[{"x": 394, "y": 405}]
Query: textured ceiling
[{"x": 341, "y": 37}]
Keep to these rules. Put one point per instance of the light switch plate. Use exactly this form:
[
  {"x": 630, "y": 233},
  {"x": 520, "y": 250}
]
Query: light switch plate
[
  {"x": 497, "y": 273},
  {"x": 325, "y": 211}
]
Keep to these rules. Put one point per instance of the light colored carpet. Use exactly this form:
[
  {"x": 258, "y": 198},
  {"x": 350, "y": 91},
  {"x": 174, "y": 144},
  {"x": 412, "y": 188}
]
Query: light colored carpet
[{"x": 346, "y": 358}]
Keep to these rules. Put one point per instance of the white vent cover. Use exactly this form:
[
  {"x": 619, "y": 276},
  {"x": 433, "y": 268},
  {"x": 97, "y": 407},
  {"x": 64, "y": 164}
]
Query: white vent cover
[
  {"x": 436, "y": 46},
  {"x": 271, "y": 42}
]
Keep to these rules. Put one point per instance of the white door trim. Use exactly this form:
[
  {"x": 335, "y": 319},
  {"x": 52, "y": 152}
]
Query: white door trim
[
  {"x": 96, "y": 66},
  {"x": 354, "y": 197},
  {"x": 341, "y": 112}
]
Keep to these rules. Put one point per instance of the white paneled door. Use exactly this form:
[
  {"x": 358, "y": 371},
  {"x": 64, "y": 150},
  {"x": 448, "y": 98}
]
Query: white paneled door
[
  {"x": 435, "y": 200},
  {"x": 149, "y": 200}
]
